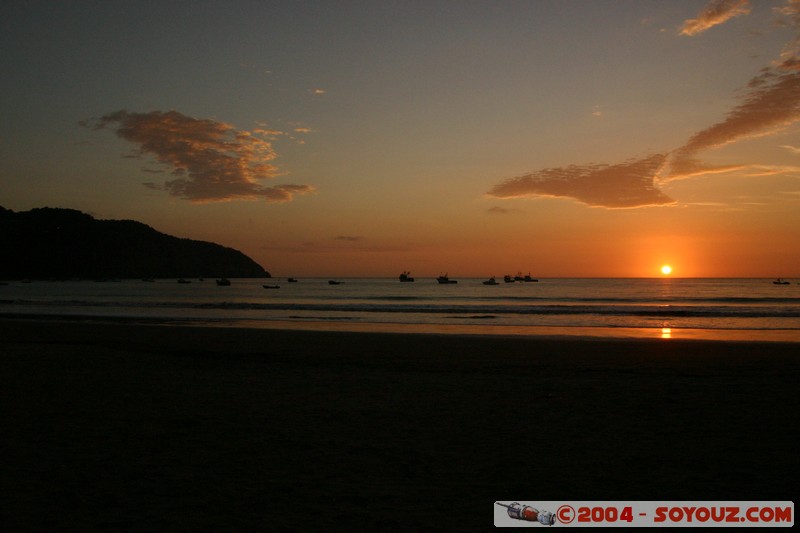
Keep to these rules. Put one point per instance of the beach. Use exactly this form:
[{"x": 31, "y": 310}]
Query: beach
[{"x": 144, "y": 427}]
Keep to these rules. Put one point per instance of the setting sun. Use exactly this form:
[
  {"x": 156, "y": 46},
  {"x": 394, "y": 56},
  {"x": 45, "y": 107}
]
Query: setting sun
[{"x": 666, "y": 270}]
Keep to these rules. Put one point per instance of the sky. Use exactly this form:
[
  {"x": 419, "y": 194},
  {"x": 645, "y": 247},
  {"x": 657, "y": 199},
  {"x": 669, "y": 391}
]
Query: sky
[{"x": 565, "y": 138}]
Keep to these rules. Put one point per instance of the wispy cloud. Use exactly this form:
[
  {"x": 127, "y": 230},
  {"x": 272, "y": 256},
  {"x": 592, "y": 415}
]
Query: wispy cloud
[
  {"x": 791, "y": 9},
  {"x": 211, "y": 161},
  {"x": 793, "y": 149},
  {"x": 362, "y": 246},
  {"x": 771, "y": 102},
  {"x": 771, "y": 170},
  {"x": 715, "y": 13},
  {"x": 497, "y": 210},
  {"x": 629, "y": 184}
]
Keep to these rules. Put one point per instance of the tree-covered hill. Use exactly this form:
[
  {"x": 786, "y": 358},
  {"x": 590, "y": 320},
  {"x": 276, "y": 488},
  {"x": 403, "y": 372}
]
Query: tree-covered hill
[{"x": 49, "y": 243}]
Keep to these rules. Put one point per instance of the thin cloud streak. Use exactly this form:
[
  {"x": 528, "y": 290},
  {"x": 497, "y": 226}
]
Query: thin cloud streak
[
  {"x": 771, "y": 170},
  {"x": 715, "y": 13},
  {"x": 793, "y": 149},
  {"x": 339, "y": 248},
  {"x": 497, "y": 210},
  {"x": 211, "y": 161}
]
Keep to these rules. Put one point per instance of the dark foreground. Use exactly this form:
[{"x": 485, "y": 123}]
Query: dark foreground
[{"x": 154, "y": 427}]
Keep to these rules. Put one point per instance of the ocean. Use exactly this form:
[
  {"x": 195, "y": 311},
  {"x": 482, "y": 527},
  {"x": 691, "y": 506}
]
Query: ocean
[{"x": 664, "y": 307}]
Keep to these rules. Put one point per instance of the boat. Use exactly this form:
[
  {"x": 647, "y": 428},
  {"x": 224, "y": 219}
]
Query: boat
[
  {"x": 271, "y": 286},
  {"x": 223, "y": 282},
  {"x": 529, "y": 279},
  {"x": 490, "y": 281},
  {"x": 291, "y": 280},
  {"x": 406, "y": 277},
  {"x": 508, "y": 279},
  {"x": 444, "y": 280},
  {"x": 779, "y": 281},
  {"x": 334, "y": 282},
  {"x": 183, "y": 281}
]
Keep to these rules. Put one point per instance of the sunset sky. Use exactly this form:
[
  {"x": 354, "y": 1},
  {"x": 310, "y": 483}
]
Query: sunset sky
[{"x": 557, "y": 137}]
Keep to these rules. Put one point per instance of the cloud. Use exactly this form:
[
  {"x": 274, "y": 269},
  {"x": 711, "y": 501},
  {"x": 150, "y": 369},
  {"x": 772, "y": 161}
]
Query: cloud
[
  {"x": 349, "y": 238},
  {"x": 772, "y": 104},
  {"x": 211, "y": 161},
  {"x": 497, "y": 210},
  {"x": 790, "y": 16},
  {"x": 771, "y": 170},
  {"x": 629, "y": 184},
  {"x": 793, "y": 149},
  {"x": 791, "y": 9},
  {"x": 715, "y": 13}
]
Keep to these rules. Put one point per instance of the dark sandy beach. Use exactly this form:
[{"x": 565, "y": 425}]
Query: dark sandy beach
[{"x": 116, "y": 426}]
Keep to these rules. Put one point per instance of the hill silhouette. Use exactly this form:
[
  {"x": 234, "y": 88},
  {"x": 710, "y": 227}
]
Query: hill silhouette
[{"x": 47, "y": 243}]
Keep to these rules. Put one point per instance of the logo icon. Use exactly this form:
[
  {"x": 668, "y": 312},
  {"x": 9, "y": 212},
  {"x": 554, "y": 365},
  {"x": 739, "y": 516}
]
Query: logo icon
[{"x": 528, "y": 513}]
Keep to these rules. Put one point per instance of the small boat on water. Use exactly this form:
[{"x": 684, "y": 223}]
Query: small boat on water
[
  {"x": 183, "y": 281},
  {"x": 779, "y": 281},
  {"x": 490, "y": 281},
  {"x": 519, "y": 277},
  {"x": 291, "y": 280},
  {"x": 223, "y": 282},
  {"x": 508, "y": 279},
  {"x": 271, "y": 286},
  {"x": 334, "y": 282},
  {"x": 405, "y": 277},
  {"x": 444, "y": 280}
]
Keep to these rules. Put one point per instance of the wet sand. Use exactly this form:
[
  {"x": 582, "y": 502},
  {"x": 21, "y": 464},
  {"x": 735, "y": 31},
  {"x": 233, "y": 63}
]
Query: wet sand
[{"x": 119, "y": 426}]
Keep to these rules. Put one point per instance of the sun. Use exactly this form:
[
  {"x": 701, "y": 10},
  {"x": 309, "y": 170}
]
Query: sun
[{"x": 666, "y": 270}]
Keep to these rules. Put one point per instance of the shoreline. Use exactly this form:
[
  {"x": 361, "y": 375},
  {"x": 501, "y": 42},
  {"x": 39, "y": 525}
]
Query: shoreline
[
  {"x": 149, "y": 427},
  {"x": 579, "y": 332}
]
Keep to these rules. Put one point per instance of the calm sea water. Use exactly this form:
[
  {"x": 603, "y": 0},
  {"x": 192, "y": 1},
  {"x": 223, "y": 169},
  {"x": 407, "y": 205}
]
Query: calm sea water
[{"x": 668, "y": 307}]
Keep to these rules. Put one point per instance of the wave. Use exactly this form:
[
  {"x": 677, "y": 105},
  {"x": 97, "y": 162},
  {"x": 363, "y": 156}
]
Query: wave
[
  {"x": 586, "y": 299},
  {"x": 665, "y": 300},
  {"x": 785, "y": 308}
]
